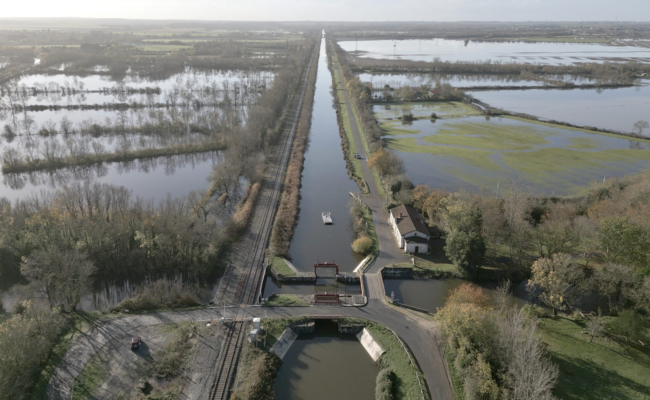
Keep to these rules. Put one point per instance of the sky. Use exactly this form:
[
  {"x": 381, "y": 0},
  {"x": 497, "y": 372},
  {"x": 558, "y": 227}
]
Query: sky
[{"x": 336, "y": 10}]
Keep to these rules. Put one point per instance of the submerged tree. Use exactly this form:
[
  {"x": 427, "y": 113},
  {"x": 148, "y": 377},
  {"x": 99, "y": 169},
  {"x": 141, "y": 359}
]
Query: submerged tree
[{"x": 61, "y": 276}]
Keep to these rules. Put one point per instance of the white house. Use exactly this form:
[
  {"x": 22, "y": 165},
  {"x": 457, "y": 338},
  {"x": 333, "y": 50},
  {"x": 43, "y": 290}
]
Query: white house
[{"x": 409, "y": 229}]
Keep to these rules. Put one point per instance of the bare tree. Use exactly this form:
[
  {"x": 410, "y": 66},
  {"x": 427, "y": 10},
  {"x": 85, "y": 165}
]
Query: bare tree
[
  {"x": 640, "y": 126},
  {"x": 61, "y": 276},
  {"x": 529, "y": 373}
]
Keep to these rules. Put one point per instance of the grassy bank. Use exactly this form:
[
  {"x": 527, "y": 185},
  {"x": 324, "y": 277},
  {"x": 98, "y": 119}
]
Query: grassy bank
[
  {"x": 281, "y": 267},
  {"x": 602, "y": 369},
  {"x": 397, "y": 359},
  {"x": 286, "y": 300},
  {"x": 354, "y": 165}
]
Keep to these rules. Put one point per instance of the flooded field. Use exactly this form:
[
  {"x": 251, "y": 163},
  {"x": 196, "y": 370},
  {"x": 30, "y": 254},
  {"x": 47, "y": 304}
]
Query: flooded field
[
  {"x": 208, "y": 85},
  {"x": 614, "y": 109},
  {"x": 431, "y": 294},
  {"x": 150, "y": 179},
  {"x": 379, "y": 81},
  {"x": 326, "y": 365},
  {"x": 325, "y": 187},
  {"x": 520, "y": 52},
  {"x": 461, "y": 150}
]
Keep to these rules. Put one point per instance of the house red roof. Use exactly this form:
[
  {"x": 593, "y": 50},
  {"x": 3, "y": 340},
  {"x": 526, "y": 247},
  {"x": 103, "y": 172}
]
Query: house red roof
[{"x": 408, "y": 220}]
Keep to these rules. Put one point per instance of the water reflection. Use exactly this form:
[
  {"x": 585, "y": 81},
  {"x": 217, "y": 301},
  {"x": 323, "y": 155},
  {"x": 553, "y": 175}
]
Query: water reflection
[
  {"x": 325, "y": 187},
  {"x": 326, "y": 365},
  {"x": 472, "y": 51},
  {"x": 150, "y": 179},
  {"x": 431, "y": 294},
  {"x": 615, "y": 109}
]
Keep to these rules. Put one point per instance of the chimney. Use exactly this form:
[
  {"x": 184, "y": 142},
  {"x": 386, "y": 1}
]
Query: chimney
[{"x": 400, "y": 215}]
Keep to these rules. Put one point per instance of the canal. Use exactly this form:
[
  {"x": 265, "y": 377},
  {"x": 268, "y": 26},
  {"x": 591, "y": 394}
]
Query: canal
[{"x": 326, "y": 365}]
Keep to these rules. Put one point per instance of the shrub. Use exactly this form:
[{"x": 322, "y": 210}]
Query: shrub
[
  {"x": 385, "y": 384},
  {"x": 629, "y": 325},
  {"x": 363, "y": 245}
]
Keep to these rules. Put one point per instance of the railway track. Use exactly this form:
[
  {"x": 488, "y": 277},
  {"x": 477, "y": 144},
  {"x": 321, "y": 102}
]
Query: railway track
[
  {"x": 228, "y": 360},
  {"x": 247, "y": 282}
]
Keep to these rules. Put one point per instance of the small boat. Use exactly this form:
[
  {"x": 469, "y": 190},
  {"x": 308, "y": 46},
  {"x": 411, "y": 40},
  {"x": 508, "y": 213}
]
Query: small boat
[{"x": 327, "y": 218}]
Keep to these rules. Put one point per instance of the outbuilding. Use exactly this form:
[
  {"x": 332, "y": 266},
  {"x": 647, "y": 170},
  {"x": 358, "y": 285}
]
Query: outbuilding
[{"x": 409, "y": 229}]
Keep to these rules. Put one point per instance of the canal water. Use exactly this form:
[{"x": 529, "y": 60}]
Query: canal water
[
  {"x": 325, "y": 187},
  {"x": 431, "y": 294},
  {"x": 326, "y": 365}
]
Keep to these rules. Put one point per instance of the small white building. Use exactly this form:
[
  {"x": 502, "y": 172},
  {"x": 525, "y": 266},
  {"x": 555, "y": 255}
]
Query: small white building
[{"x": 409, "y": 229}]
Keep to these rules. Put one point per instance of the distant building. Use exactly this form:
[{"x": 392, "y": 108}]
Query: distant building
[{"x": 409, "y": 229}]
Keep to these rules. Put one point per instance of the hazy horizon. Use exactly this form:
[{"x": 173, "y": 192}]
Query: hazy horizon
[{"x": 334, "y": 11}]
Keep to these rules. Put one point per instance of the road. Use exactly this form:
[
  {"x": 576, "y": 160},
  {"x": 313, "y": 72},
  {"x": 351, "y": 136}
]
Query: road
[{"x": 417, "y": 332}]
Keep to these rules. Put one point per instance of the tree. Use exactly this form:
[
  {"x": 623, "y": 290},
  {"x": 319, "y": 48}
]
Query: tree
[
  {"x": 614, "y": 281},
  {"x": 595, "y": 326},
  {"x": 556, "y": 234},
  {"x": 465, "y": 244},
  {"x": 640, "y": 126},
  {"x": 556, "y": 281},
  {"x": 387, "y": 163},
  {"x": 624, "y": 242},
  {"x": 62, "y": 276},
  {"x": 629, "y": 325},
  {"x": 362, "y": 245},
  {"x": 529, "y": 373}
]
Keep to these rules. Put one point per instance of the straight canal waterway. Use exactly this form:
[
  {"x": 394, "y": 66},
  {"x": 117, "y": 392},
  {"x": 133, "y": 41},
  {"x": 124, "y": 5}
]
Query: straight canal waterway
[{"x": 325, "y": 187}]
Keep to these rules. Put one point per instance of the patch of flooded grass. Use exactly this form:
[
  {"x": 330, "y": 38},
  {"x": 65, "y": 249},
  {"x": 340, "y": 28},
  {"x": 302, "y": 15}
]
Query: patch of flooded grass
[
  {"x": 474, "y": 157},
  {"x": 479, "y": 151}
]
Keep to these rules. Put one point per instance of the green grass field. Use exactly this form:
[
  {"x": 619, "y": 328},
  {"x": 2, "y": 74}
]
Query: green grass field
[
  {"x": 599, "y": 370},
  {"x": 281, "y": 267},
  {"x": 286, "y": 300}
]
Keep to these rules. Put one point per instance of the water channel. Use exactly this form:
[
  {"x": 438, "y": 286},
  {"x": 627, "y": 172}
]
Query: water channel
[
  {"x": 431, "y": 294},
  {"x": 326, "y": 365},
  {"x": 325, "y": 187}
]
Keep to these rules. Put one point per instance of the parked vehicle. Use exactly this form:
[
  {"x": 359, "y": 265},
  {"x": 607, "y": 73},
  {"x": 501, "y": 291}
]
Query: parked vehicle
[
  {"x": 136, "y": 342},
  {"x": 357, "y": 156}
]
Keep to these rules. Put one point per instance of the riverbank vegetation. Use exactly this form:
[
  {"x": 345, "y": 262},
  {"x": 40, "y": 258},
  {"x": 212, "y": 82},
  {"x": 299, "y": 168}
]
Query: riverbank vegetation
[
  {"x": 286, "y": 217},
  {"x": 494, "y": 352}
]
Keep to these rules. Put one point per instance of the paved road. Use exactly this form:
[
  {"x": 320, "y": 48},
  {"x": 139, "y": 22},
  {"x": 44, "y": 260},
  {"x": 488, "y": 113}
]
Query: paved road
[
  {"x": 420, "y": 341},
  {"x": 417, "y": 334}
]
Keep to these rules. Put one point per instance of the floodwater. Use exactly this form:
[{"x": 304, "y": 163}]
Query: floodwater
[
  {"x": 506, "y": 52},
  {"x": 50, "y": 87},
  {"x": 149, "y": 179},
  {"x": 326, "y": 365},
  {"x": 431, "y": 294},
  {"x": 545, "y": 159},
  {"x": 379, "y": 81},
  {"x": 614, "y": 109},
  {"x": 325, "y": 187}
]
